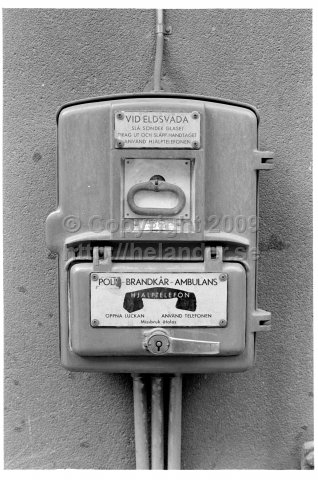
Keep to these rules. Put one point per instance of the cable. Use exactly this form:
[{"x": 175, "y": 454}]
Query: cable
[
  {"x": 159, "y": 52},
  {"x": 141, "y": 424}
]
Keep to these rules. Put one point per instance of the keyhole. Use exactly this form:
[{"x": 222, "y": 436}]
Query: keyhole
[{"x": 158, "y": 345}]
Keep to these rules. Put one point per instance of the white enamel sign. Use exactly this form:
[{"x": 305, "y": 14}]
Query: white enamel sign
[{"x": 158, "y": 299}]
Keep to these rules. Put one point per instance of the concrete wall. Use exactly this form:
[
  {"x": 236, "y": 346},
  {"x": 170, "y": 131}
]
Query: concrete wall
[{"x": 254, "y": 420}]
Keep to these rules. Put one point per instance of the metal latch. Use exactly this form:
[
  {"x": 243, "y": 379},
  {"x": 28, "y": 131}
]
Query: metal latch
[{"x": 159, "y": 342}]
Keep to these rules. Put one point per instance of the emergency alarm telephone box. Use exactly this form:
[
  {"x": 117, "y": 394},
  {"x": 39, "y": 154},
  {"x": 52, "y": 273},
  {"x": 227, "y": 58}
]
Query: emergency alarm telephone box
[{"x": 156, "y": 232}]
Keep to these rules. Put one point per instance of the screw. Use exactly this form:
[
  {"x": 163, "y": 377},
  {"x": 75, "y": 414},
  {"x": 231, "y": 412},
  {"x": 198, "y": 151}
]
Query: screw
[
  {"x": 120, "y": 144},
  {"x": 195, "y": 115},
  {"x": 223, "y": 277},
  {"x": 95, "y": 323},
  {"x": 94, "y": 277},
  {"x": 120, "y": 116},
  {"x": 222, "y": 322},
  {"x": 195, "y": 145},
  {"x": 168, "y": 30}
]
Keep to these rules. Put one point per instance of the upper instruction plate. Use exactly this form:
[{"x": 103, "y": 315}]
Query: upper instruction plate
[{"x": 157, "y": 130}]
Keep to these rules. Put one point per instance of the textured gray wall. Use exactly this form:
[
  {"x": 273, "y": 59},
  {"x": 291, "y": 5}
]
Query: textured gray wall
[{"x": 56, "y": 419}]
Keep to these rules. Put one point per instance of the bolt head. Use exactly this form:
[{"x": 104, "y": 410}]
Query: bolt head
[
  {"x": 222, "y": 323},
  {"x": 95, "y": 322},
  {"x": 195, "y": 115},
  {"x": 120, "y": 116},
  {"x": 94, "y": 277},
  {"x": 223, "y": 277},
  {"x": 120, "y": 144},
  {"x": 196, "y": 145}
]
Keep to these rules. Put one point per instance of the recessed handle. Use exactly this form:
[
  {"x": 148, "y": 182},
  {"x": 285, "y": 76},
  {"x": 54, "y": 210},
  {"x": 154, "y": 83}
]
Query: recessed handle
[{"x": 159, "y": 187}]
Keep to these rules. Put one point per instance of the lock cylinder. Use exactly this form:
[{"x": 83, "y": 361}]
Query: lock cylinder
[{"x": 158, "y": 343}]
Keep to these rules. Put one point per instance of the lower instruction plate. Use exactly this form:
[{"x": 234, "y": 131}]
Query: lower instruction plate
[{"x": 158, "y": 299}]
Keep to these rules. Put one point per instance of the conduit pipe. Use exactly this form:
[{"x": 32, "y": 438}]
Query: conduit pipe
[
  {"x": 159, "y": 51},
  {"x": 174, "y": 425},
  {"x": 141, "y": 423},
  {"x": 157, "y": 431}
]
